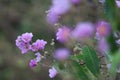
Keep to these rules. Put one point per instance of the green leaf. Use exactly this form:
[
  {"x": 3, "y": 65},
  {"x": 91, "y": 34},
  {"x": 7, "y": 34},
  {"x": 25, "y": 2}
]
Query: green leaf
[
  {"x": 91, "y": 60},
  {"x": 110, "y": 9},
  {"x": 77, "y": 70},
  {"x": 115, "y": 63}
]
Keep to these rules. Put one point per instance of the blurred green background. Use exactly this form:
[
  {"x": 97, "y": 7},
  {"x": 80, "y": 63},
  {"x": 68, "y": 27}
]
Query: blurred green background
[{"x": 17, "y": 17}]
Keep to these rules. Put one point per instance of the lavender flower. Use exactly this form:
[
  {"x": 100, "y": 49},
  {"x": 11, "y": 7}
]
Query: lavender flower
[
  {"x": 63, "y": 34},
  {"x": 52, "y": 18},
  {"x": 118, "y": 41},
  {"x": 38, "y": 45},
  {"x": 60, "y": 6},
  {"x": 23, "y": 42},
  {"x": 103, "y": 46},
  {"x": 103, "y": 30},
  {"x": 52, "y": 72},
  {"x": 118, "y": 3},
  {"x": 33, "y": 63},
  {"x": 61, "y": 54},
  {"x": 38, "y": 57},
  {"x": 83, "y": 30},
  {"x": 27, "y": 37}
]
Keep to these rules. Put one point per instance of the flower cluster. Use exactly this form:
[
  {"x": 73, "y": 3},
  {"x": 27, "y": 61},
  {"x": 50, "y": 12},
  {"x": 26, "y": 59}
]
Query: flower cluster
[
  {"x": 86, "y": 30},
  {"x": 24, "y": 41}
]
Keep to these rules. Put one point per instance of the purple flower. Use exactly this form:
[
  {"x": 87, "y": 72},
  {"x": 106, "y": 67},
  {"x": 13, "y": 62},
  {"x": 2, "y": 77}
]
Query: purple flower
[
  {"x": 52, "y": 18},
  {"x": 27, "y": 37},
  {"x": 75, "y": 1},
  {"x": 103, "y": 30},
  {"x": 38, "y": 45},
  {"x": 38, "y": 57},
  {"x": 83, "y": 30},
  {"x": 103, "y": 46},
  {"x": 118, "y": 41},
  {"x": 33, "y": 63},
  {"x": 61, "y": 54},
  {"x": 22, "y": 42},
  {"x": 118, "y": 3},
  {"x": 52, "y": 72},
  {"x": 60, "y": 6},
  {"x": 63, "y": 34}
]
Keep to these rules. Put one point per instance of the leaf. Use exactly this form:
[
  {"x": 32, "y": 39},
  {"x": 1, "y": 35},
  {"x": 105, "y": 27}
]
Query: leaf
[
  {"x": 110, "y": 8},
  {"x": 91, "y": 60},
  {"x": 77, "y": 70},
  {"x": 115, "y": 63}
]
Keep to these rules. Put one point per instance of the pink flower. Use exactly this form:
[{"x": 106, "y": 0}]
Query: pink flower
[
  {"x": 103, "y": 29},
  {"x": 52, "y": 72},
  {"x": 63, "y": 34},
  {"x": 61, "y": 54},
  {"x": 38, "y": 45},
  {"x": 83, "y": 30}
]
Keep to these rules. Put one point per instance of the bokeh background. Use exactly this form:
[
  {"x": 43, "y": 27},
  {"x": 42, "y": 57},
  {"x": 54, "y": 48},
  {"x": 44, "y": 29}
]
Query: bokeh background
[
  {"x": 20, "y": 16},
  {"x": 17, "y": 17}
]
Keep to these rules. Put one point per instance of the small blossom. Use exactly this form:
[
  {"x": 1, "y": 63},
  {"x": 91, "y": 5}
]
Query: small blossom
[
  {"x": 38, "y": 45},
  {"x": 38, "y": 57},
  {"x": 83, "y": 30},
  {"x": 33, "y": 63},
  {"x": 52, "y": 18},
  {"x": 108, "y": 66},
  {"x": 103, "y": 30},
  {"x": 103, "y": 46},
  {"x": 52, "y": 72},
  {"x": 118, "y": 3},
  {"x": 60, "y": 6},
  {"x": 118, "y": 41},
  {"x": 27, "y": 37},
  {"x": 22, "y": 44},
  {"x": 61, "y": 54},
  {"x": 63, "y": 34}
]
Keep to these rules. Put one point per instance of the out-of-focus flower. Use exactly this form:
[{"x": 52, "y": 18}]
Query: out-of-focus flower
[
  {"x": 118, "y": 3},
  {"x": 118, "y": 41},
  {"x": 33, "y": 63},
  {"x": 102, "y": 1},
  {"x": 75, "y": 1},
  {"x": 83, "y": 30},
  {"x": 61, "y": 54},
  {"x": 52, "y": 72},
  {"x": 27, "y": 37},
  {"x": 60, "y": 6},
  {"x": 52, "y": 17},
  {"x": 38, "y": 45},
  {"x": 103, "y": 30},
  {"x": 103, "y": 46},
  {"x": 38, "y": 57},
  {"x": 23, "y": 42},
  {"x": 63, "y": 34}
]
